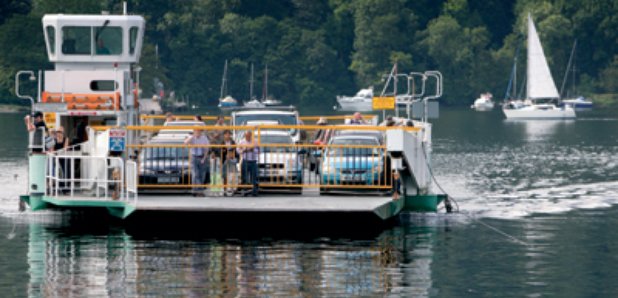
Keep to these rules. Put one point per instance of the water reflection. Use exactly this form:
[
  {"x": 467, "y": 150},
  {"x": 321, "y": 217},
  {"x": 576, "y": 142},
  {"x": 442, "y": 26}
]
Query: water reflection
[
  {"x": 64, "y": 261},
  {"x": 540, "y": 130}
]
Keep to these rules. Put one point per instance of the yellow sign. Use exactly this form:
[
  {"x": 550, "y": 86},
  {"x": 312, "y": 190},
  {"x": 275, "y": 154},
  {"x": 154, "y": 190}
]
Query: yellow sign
[
  {"x": 384, "y": 103},
  {"x": 50, "y": 120}
]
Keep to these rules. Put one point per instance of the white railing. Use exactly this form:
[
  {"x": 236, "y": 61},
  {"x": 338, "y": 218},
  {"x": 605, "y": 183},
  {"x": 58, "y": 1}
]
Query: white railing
[
  {"x": 89, "y": 177},
  {"x": 131, "y": 182}
]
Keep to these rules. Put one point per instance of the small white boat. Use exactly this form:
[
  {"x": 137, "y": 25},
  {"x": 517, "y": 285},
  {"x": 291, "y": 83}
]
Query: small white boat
[
  {"x": 579, "y": 104},
  {"x": 541, "y": 89},
  {"x": 269, "y": 102},
  {"x": 228, "y": 102},
  {"x": 361, "y": 102},
  {"x": 254, "y": 103},
  {"x": 483, "y": 103}
]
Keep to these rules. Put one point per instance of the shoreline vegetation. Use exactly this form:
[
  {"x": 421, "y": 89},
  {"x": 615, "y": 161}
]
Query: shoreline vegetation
[{"x": 318, "y": 49}]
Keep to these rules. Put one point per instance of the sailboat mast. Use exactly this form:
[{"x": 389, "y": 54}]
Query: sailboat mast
[
  {"x": 515, "y": 77},
  {"x": 265, "y": 84},
  {"x": 566, "y": 72},
  {"x": 223, "y": 80},
  {"x": 251, "y": 83}
]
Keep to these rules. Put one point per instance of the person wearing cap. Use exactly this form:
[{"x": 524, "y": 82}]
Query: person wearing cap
[
  {"x": 37, "y": 121},
  {"x": 37, "y": 125}
]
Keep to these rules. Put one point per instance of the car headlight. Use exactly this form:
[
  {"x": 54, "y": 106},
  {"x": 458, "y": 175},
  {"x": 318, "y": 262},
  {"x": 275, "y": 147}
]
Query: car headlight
[{"x": 143, "y": 171}]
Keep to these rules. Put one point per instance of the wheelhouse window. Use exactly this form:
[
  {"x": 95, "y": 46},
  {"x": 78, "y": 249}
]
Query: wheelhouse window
[
  {"x": 133, "y": 39},
  {"x": 51, "y": 39},
  {"x": 108, "y": 40},
  {"x": 76, "y": 40},
  {"x": 103, "y": 85},
  {"x": 86, "y": 40}
]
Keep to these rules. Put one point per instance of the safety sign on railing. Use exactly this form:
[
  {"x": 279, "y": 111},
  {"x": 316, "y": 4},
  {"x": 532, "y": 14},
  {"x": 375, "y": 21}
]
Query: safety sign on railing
[
  {"x": 383, "y": 103},
  {"x": 117, "y": 139}
]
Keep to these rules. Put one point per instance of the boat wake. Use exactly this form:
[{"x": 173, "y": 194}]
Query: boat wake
[{"x": 541, "y": 200}]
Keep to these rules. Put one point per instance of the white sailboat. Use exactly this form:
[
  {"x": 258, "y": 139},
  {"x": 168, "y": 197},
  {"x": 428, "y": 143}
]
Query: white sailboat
[
  {"x": 226, "y": 102},
  {"x": 541, "y": 92}
]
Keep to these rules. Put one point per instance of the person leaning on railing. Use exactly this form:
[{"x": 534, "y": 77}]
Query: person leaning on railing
[
  {"x": 199, "y": 158},
  {"x": 37, "y": 126},
  {"x": 61, "y": 143},
  {"x": 249, "y": 151},
  {"x": 228, "y": 154}
]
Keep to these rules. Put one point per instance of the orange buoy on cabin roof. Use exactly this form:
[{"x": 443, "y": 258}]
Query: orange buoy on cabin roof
[{"x": 104, "y": 101}]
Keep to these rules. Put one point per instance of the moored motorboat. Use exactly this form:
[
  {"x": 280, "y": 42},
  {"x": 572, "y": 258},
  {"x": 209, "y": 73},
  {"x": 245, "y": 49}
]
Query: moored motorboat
[
  {"x": 579, "y": 104},
  {"x": 483, "y": 103},
  {"x": 360, "y": 102}
]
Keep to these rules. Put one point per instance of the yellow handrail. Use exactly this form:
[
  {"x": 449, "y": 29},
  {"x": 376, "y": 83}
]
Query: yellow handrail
[{"x": 258, "y": 127}]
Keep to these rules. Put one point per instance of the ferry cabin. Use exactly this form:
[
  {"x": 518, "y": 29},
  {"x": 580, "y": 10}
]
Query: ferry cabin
[{"x": 93, "y": 57}]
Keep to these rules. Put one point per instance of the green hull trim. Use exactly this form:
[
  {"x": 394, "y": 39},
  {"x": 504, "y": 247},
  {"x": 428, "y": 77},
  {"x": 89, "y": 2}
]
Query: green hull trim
[
  {"x": 36, "y": 203},
  {"x": 115, "y": 208},
  {"x": 423, "y": 203},
  {"x": 389, "y": 210}
]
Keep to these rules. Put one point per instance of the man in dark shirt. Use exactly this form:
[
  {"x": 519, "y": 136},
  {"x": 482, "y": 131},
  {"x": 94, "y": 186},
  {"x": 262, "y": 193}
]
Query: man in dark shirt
[{"x": 39, "y": 128}]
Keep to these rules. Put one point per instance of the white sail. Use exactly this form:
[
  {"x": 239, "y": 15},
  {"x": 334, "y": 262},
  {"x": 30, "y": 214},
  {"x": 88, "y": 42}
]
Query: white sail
[{"x": 540, "y": 82}]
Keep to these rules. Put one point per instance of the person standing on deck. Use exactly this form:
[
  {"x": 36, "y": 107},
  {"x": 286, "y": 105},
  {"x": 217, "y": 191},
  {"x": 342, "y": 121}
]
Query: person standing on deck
[
  {"x": 357, "y": 118},
  {"x": 62, "y": 143},
  {"x": 228, "y": 155},
  {"x": 216, "y": 135},
  {"x": 169, "y": 117},
  {"x": 199, "y": 160},
  {"x": 38, "y": 126},
  {"x": 249, "y": 151}
]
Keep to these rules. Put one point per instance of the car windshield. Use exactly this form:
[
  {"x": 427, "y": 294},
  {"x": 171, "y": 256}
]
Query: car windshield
[
  {"x": 275, "y": 140},
  {"x": 348, "y": 147},
  {"x": 165, "y": 153},
  {"x": 285, "y": 119},
  {"x": 375, "y": 134}
]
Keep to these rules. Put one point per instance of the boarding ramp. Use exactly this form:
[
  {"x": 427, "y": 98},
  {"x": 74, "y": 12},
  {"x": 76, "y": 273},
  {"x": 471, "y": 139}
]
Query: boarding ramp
[{"x": 410, "y": 152}]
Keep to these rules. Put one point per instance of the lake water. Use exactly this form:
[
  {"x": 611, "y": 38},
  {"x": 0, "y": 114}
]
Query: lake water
[{"x": 538, "y": 210}]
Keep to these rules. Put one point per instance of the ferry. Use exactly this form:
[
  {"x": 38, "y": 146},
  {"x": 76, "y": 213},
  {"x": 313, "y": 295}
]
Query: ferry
[{"x": 124, "y": 161}]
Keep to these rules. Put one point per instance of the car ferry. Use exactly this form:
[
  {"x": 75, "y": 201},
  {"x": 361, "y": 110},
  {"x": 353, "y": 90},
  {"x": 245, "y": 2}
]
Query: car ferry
[{"x": 124, "y": 163}]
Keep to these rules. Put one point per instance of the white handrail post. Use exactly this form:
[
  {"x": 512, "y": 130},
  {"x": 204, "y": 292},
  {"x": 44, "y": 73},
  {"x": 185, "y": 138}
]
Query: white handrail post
[{"x": 72, "y": 166}]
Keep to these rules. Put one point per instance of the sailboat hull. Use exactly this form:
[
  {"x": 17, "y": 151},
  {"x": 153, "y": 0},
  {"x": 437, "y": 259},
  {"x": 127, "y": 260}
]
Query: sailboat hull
[{"x": 540, "y": 112}]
